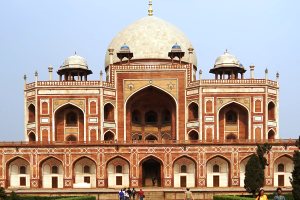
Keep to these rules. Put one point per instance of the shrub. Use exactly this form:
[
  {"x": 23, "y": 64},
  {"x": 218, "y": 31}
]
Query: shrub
[
  {"x": 14, "y": 196},
  {"x": 295, "y": 181},
  {"x": 2, "y": 193},
  {"x": 228, "y": 197}
]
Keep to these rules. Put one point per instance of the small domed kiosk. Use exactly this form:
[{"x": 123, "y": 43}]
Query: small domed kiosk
[
  {"x": 74, "y": 66},
  {"x": 228, "y": 64}
]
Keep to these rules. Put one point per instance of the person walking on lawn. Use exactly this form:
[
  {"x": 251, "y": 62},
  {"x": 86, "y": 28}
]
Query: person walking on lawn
[{"x": 279, "y": 196}]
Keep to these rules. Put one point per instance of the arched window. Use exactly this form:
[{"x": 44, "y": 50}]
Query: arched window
[
  {"x": 71, "y": 138},
  {"x": 31, "y": 137},
  {"x": 183, "y": 169},
  {"x": 71, "y": 119},
  {"x": 151, "y": 117},
  {"x": 216, "y": 168},
  {"x": 22, "y": 170},
  {"x": 193, "y": 112},
  {"x": 54, "y": 170},
  {"x": 108, "y": 112},
  {"x": 86, "y": 169},
  {"x": 31, "y": 113},
  {"x": 109, "y": 136},
  {"x": 280, "y": 168},
  {"x": 271, "y": 111},
  {"x": 231, "y": 117},
  {"x": 119, "y": 169}
]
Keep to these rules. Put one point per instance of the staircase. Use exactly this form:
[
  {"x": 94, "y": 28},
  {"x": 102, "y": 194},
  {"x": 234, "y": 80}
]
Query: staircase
[{"x": 154, "y": 195}]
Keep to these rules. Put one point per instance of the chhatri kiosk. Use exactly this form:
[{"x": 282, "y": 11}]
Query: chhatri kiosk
[{"x": 150, "y": 117}]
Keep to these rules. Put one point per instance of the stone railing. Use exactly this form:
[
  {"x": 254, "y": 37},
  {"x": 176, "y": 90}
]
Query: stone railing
[
  {"x": 142, "y": 142},
  {"x": 237, "y": 81},
  {"x": 68, "y": 83}
]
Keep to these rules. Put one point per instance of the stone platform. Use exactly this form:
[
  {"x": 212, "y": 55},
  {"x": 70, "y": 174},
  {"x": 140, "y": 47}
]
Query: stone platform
[{"x": 151, "y": 193}]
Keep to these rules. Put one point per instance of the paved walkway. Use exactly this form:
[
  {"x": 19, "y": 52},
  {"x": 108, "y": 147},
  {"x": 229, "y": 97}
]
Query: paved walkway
[{"x": 150, "y": 189}]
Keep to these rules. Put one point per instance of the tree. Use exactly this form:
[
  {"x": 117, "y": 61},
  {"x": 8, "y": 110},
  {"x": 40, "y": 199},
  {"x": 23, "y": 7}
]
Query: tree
[
  {"x": 2, "y": 193},
  {"x": 254, "y": 175},
  {"x": 261, "y": 151},
  {"x": 295, "y": 181},
  {"x": 14, "y": 196}
]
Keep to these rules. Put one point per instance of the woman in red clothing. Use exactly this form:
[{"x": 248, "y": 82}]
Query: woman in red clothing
[{"x": 141, "y": 194}]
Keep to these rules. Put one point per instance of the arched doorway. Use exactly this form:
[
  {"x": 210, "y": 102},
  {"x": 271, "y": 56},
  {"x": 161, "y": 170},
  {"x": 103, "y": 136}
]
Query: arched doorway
[
  {"x": 31, "y": 113},
  {"x": 184, "y": 172},
  {"x": 18, "y": 173},
  {"x": 271, "y": 111},
  {"x": 109, "y": 136},
  {"x": 109, "y": 113},
  {"x": 233, "y": 120},
  {"x": 84, "y": 173},
  {"x": 51, "y": 173},
  {"x": 31, "y": 137},
  {"x": 283, "y": 168},
  {"x": 193, "y": 135},
  {"x": 218, "y": 171},
  {"x": 271, "y": 134},
  {"x": 69, "y": 120},
  {"x": 118, "y": 173},
  {"x": 150, "y": 111},
  {"x": 152, "y": 167},
  {"x": 193, "y": 112}
]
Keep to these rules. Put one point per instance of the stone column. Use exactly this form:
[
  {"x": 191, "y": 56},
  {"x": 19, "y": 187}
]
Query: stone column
[
  {"x": 36, "y": 78},
  {"x": 266, "y": 75},
  {"x": 101, "y": 77},
  {"x": 111, "y": 50},
  {"x": 252, "y": 70},
  {"x": 25, "y": 110},
  {"x": 50, "y": 72},
  {"x": 200, "y": 75}
]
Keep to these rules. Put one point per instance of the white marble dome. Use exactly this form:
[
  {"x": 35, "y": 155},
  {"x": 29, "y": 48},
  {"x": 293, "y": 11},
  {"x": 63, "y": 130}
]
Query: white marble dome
[
  {"x": 226, "y": 59},
  {"x": 150, "y": 38},
  {"x": 75, "y": 61}
]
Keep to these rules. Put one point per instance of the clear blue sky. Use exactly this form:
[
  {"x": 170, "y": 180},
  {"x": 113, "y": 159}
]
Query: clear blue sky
[{"x": 36, "y": 34}]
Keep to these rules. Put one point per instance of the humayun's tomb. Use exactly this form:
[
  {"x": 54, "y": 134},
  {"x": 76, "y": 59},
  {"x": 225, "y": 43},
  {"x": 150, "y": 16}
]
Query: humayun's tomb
[{"x": 148, "y": 117}]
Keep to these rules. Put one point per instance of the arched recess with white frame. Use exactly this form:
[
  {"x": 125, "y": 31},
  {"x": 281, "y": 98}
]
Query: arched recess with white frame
[
  {"x": 84, "y": 173},
  {"x": 31, "y": 136},
  {"x": 51, "y": 173},
  {"x": 184, "y": 172},
  {"x": 283, "y": 167},
  {"x": 109, "y": 135},
  {"x": 233, "y": 121},
  {"x": 118, "y": 173},
  {"x": 193, "y": 135},
  {"x": 218, "y": 171},
  {"x": 69, "y": 119},
  {"x": 243, "y": 170},
  {"x": 18, "y": 173}
]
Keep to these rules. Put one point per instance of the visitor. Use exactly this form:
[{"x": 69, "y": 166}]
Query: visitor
[
  {"x": 140, "y": 137},
  {"x": 261, "y": 195},
  {"x": 153, "y": 181},
  {"x": 133, "y": 193},
  {"x": 188, "y": 194},
  {"x": 279, "y": 196},
  {"x": 121, "y": 195},
  {"x": 126, "y": 195},
  {"x": 141, "y": 194},
  {"x": 129, "y": 193}
]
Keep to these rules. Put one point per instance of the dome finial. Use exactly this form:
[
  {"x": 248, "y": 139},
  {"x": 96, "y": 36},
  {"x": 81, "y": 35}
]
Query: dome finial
[
  {"x": 150, "y": 9},
  {"x": 75, "y": 52},
  {"x": 226, "y": 50}
]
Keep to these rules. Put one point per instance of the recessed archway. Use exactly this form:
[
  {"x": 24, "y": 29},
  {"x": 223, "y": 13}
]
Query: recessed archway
[
  {"x": 283, "y": 167},
  {"x": 109, "y": 136},
  {"x": 118, "y": 173},
  {"x": 271, "y": 134},
  {"x": 69, "y": 120},
  {"x": 51, "y": 173},
  {"x": 220, "y": 177},
  {"x": 151, "y": 167},
  {"x": 184, "y": 172},
  {"x": 31, "y": 137},
  {"x": 233, "y": 120},
  {"x": 84, "y": 171},
  {"x": 149, "y": 110},
  {"x": 18, "y": 173},
  {"x": 193, "y": 135}
]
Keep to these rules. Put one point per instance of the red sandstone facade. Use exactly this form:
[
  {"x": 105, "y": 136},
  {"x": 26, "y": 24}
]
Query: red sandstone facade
[{"x": 150, "y": 118}]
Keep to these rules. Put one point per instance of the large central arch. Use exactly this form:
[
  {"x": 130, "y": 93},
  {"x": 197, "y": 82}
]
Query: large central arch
[{"x": 150, "y": 110}]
